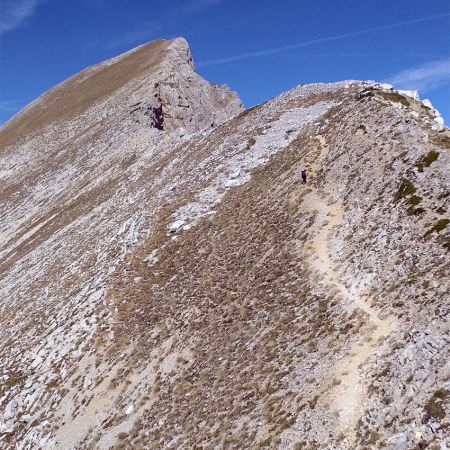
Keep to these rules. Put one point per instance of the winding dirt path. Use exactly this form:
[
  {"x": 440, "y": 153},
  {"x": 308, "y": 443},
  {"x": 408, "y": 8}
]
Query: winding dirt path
[{"x": 349, "y": 397}]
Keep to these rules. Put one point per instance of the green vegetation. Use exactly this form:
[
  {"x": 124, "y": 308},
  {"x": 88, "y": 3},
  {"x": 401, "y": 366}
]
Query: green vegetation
[
  {"x": 312, "y": 403},
  {"x": 427, "y": 160},
  {"x": 446, "y": 244},
  {"x": 434, "y": 408},
  {"x": 438, "y": 226},
  {"x": 415, "y": 211},
  {"x": 406, "y": 191},
  {"x": 394, "y": 97},
  {"x": 406, "y": 188},
  {"x": 414, "y": 201}
]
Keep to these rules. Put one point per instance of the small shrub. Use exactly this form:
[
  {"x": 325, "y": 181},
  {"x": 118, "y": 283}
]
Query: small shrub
[
  {"x": 406, "y": 188},
  {"x": 394, "y": 97},
  {"x": 415, "y": 211},
  {"x": 446, "y": 244},
  {"x": 427, "y": 160},
  {"x": 414, "y": 200},
  {"x": 312, "y": 403},
  {"x": 438, "y": 226},
  {"x": 434, "y": 408},
  {"x": 441, "y": 224}
]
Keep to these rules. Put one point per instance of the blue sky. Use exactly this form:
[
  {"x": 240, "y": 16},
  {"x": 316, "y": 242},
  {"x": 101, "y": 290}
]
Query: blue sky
[{"x": 259, "y": 48}]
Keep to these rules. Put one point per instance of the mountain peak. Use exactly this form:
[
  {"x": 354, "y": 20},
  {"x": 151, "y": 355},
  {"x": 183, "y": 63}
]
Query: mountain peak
[
  {"x": 181, "y": 47},
  {"x": 156, "y": 75}
]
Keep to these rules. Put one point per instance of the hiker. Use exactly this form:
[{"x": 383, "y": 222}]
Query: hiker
[{"x": 304, "y": 175}]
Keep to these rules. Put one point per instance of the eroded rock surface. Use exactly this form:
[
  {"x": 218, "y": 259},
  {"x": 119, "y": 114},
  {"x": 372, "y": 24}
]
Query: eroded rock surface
[{"x": 167, "y": 281}]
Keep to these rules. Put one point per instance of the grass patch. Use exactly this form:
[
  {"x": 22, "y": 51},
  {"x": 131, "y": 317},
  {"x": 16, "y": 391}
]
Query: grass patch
[
  {"x": 446, "y": 244},
  {"x": 427, "y": 160},
  {"x": 438, "y": 226},
  {"x": 415, "y": 211},
  {"x": 434, "y": 408},
  {"x": 413, "y": 201},
  {"x": 394, "y": 97},
  {"x": 405, "y": 189}
]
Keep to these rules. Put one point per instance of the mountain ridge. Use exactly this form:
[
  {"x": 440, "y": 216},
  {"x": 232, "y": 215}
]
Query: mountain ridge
[{"x": 180, "y": 287}]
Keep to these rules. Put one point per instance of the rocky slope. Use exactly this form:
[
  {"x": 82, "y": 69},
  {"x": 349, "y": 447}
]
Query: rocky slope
[{"x": 166, "y": 281}]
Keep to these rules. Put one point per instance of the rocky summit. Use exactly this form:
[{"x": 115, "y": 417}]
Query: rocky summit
[{"x": 167, "y": 281}]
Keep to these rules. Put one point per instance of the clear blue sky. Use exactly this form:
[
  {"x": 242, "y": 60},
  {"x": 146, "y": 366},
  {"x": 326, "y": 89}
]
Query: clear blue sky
[{"x": 259, "y": 48}]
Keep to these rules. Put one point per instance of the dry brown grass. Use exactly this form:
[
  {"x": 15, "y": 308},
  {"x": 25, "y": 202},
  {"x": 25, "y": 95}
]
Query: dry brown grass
[{"x": 233, "y": 276}]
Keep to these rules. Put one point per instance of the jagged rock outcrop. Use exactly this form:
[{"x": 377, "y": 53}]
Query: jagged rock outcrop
[{"x": 166, "y": 281}]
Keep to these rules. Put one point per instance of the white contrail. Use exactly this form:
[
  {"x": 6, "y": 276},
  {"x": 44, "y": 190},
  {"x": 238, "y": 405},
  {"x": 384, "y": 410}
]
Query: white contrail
[
  {"x": 425, "y": 77},
  {"x": 316, "y": 41},
  {"x": 16, "y": 12}
]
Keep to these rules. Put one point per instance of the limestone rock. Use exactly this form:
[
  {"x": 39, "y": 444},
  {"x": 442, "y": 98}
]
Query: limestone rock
[{"x": 167, "y": 280}]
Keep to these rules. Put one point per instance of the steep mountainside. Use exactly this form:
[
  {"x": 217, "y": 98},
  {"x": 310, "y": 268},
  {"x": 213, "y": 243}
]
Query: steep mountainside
[{"x": 167, "y": 281}]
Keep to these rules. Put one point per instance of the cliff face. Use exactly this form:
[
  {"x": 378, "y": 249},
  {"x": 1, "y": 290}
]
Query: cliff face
[{"x": 167, "y": 281}]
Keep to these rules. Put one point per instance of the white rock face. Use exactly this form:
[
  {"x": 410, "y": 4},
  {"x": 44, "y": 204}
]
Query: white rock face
[
  {"x": 411, "y": 94},
  {"x": 189, "y": 101},
  {"x": 386, "y": 86},
  {"x": 438, "y": 124},
  {"x": 438, "y": 120},
  {"x": 426, "y": 102}
]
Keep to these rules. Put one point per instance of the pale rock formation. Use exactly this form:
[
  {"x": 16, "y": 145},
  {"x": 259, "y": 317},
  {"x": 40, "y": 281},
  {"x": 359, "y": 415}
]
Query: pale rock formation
[
  {"x": 411, "y": 94},
  {"x": 438, "y": 120}
]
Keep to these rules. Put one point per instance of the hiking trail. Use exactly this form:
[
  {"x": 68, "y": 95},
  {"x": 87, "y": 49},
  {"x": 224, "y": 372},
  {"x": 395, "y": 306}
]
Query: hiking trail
[{"x": 347, "y": 398}]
